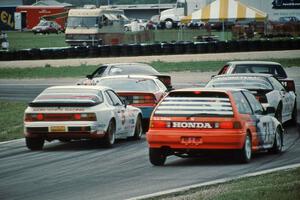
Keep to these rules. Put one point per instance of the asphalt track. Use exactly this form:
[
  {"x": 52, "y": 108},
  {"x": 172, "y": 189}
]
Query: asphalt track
[{"x": 84, "y": 170}]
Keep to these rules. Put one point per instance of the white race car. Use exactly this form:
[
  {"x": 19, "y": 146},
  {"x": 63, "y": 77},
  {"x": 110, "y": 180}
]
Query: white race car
[
  {"x": 266, "y": 88},
  {"x": 80, "y": 112}
]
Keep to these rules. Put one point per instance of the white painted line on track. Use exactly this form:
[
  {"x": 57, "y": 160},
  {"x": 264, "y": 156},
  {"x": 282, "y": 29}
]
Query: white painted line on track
[{"x": 218, "y": 181}]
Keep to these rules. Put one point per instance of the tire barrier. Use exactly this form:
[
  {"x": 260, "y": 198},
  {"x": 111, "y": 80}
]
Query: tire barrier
[{"x": 183, "y": 47}]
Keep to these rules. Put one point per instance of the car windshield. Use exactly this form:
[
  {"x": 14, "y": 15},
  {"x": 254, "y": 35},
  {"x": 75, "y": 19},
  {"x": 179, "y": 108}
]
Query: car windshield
[
  {"x": 276, "y": 70},
  {"x": 260, "y": 83},
  {"x": 44, "y": 23},
  {"x": 69, "y": 94},
  {"x": 129, "y": 84},
  {"x": 132, "y": 69},
  {"x": 82, "y": 22}
]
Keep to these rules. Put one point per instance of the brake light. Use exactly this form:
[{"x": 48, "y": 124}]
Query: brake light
[
  {"x": 159, "y": 124},
  {"x": 145, "y": 99},
  {"x": 228, "y": 125},
  {"x": 32, "y": 117}
]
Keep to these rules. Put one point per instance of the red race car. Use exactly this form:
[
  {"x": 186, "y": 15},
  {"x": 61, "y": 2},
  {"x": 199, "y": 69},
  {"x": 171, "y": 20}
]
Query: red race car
[{"x": 188, "y": 121}]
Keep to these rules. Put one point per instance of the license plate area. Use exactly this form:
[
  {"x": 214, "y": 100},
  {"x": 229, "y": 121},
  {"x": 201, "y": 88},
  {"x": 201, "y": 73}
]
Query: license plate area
[
  {"x": 193, "y": 141},
  {"x": 55, "y": 129}
]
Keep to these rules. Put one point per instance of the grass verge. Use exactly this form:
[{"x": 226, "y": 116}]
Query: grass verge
[
  {"x": 282, "y": 185},
  {"x": 11, "y": 120},
  {"x": 48, "y": 71}
]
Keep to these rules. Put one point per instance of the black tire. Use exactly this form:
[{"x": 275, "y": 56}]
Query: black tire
[
  {"x": 138, "y": 131},
  {"x": 65, "y": 140},
  {"x": 109, "y": 138},
  {"x": 245, "y": 153},
  {"x": 278, "y": 142},
  {"x": 294, "y": 115},
  {"x": 278, "y": 113},
  {"x": 157, "y": 157},
  {"x": 35, "y": 144}
]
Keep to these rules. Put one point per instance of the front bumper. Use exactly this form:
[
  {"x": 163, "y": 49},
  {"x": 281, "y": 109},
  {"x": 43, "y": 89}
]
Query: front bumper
[{"x": 204, "y": 140}]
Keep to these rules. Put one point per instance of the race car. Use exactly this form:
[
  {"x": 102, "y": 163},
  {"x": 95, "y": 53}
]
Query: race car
[
  {"x": 265, "y": 67},
  {"x": 125, "y": 69},
  {"x": 189, "y": 121},
  {"x": 80, "y": 112},
  {"x": 267, "y": 89},
  {"x": 140, "y": 91}
]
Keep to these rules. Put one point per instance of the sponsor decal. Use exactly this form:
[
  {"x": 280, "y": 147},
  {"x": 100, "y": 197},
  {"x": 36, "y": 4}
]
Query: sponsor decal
[
  {"x": 191, "y": 125},
  {"x": 58, "y": 109}
]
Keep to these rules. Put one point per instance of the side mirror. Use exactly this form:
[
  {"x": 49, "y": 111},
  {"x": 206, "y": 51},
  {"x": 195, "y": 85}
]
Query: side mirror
[
  {"x": 212, "y": 76},
  {"x": 125, "y": 103},
  {"x": 89, "y": 76},
  {"x": 270, "y": 110}
]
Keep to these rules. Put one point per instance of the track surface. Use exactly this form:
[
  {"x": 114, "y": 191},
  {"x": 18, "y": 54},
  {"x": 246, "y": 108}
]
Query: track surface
[{"x": 84, "y": 170}]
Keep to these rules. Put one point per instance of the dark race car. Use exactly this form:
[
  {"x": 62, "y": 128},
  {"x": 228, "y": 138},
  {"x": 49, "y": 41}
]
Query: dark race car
[{"x": 126, "y": 69}]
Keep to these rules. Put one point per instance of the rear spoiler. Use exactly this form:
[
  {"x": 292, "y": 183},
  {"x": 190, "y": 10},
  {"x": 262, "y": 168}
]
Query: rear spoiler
[
  {"x": 288, "y": 84},
  {"x": 63, "y": 104},
  {"x": 166, "y": 80}
]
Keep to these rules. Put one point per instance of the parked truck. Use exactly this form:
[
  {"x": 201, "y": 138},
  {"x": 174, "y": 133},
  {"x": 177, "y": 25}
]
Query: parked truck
[
  {"x": 171, "y": 17},
  {"x": 95, "y": 26}
]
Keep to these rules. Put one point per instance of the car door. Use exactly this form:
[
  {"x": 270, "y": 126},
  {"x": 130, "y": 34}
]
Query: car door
[
  {"x": 120, "y": 112},
  {"x": 286, "y": 99},
  {"x": 264, "y": 123}
]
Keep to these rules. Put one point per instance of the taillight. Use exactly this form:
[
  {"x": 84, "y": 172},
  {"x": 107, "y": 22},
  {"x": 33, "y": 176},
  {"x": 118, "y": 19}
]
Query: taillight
[
  {"x": 290, "y": 86},
  {"x": 34, "y": 117},
  {"x": 159, "y": 124},
  {"x": 228, "y": 125},
  {"x": 145, "y": 99}
]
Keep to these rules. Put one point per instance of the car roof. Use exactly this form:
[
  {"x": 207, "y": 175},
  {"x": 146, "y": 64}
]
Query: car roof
[
  {"x": 97, "y": 87},
  {"x": 130, "y": 77},
  {"x": 127, "y": 64},
  {"x": 195, "y": 89},
  {"x": 253, "y": 62},
  {"x": 245, "y": 75}
]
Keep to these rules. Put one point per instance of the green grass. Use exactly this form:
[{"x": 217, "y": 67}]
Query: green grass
[
  {"x": 25, "y": 40},
  {"x": 48, "y": 71},
  {"x": 11, "y": 120},
  {"x": 283, "y": 185}
]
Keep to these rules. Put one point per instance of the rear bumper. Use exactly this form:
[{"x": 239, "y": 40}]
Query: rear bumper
[
  {"x": 206, "y": 140},
  {"x": 72, "y": 131},
  {"x": 146, "y": 111}
]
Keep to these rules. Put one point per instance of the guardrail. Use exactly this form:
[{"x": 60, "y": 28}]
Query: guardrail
[{"x": 150, "y": 49}]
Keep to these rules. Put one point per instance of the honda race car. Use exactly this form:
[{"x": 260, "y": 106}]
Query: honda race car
[
  {"x": 80, "y": 112},
  {"x": 189, "y": 121},
  {"x": 266, "y": 88}
]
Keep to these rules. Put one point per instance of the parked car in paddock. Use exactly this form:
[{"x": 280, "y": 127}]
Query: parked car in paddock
[
  {"x": 125, "y": 69},
  {"x": 47, "y": 27},
  {"x": 140, "y": 91},
  {"x": 274, "y": 68},
  {"x": 80, "y": 112},
  {"x": 189, "y": 121},
  {"x": 266, "y": 88}
]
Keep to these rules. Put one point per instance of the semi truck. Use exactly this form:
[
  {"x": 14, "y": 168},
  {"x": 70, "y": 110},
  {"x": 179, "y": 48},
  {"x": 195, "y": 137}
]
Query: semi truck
[{"x": 95, "y": 26}]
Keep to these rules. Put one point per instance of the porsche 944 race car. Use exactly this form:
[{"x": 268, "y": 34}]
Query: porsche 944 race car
[
  {"x": 80, "y": 112},
  {"x": 189, "y": 121},
  {"x": 266, "y": 88}
]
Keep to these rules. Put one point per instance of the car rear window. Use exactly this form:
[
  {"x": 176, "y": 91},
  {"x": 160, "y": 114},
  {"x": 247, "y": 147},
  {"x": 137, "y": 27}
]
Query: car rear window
[
  {"x": 68, "y": 97},
  {"x": 276, "y": 70},
  {"x": 129, "y": 84},
  {"x": 240, "y": 82},
  {"x": 196, "y": 103},
  {"x": 132, "y": 69}
]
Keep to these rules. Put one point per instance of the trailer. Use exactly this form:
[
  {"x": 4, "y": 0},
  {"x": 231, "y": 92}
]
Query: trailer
[{"x": 33, "y": 14}]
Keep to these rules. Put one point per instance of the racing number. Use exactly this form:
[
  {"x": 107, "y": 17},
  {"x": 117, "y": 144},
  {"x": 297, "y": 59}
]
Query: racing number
[{"x": 268, "y": 133}]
